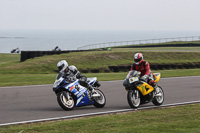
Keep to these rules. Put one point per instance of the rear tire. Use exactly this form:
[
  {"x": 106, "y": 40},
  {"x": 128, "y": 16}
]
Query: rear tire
[
  {"x": 64, "y": 104},
  {"x": 133, "y": 98},
  {"x": 158, "y": 100},
  {"x": 99, "y": 102}
]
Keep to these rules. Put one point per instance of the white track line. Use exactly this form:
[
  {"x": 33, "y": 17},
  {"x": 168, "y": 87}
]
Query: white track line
[{"x": 97, "y": 113}]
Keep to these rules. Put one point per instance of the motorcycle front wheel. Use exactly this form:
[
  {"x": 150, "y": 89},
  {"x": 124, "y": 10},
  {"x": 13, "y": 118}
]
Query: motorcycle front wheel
[
  {"x": 159, "y": 98},
  {"x": 64, "y": 103},
  {"x": 100, "y": 101},
  {"x": 133, "y": 98}
]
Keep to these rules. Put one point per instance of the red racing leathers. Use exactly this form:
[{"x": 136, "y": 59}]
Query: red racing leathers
[{"x": 144, "y": 68}]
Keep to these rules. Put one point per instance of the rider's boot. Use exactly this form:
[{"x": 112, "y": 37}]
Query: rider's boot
[
  {"x": 155, "y": 86},
  {"x": 156, "y": 90},
  {"x": 92, "y": 91}
]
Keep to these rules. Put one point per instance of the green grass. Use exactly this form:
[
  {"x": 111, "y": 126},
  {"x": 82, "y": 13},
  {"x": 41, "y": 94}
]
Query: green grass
[
  {"x": 172, "y": 49},
  {"x": 171, "y": 43},
  {"x": 37, "y": 79},
  {"x": 180, "y": 119},
  {"x": 26, "y": 79},
  {"x": 9, "y": 59},
  {"x": 96, "y": 60},
  {"x": 42, "y": 70}
]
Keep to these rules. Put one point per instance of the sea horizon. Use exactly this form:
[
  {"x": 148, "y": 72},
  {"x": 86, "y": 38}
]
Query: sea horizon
[{"x": 47, "y": 40}]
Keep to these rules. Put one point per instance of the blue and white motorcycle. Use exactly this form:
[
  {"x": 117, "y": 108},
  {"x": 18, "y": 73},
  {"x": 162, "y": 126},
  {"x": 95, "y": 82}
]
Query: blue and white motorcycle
[{"x": 72, "y": 94}]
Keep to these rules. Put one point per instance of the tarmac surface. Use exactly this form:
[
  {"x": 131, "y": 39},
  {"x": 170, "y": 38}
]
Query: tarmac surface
[{"x": 25, "y": 103}]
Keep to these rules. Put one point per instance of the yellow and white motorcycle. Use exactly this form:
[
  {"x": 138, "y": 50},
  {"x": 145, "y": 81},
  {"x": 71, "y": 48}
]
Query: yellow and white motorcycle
[{"x": 140, "y": 92}]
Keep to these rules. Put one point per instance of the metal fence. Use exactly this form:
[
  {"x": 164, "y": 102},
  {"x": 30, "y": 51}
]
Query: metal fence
[{"x": 140, "y": 42}]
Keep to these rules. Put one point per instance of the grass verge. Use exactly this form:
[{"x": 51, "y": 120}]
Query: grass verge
[
  {"x": 100, "y": 60},
  {"x": 184, "y": 119},
  {"x": 38, "y": 79},
  {"x": 41, "y": 71}
]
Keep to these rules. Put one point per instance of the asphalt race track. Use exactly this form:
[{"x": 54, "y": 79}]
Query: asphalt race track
[{"x": 39, "y": 102}]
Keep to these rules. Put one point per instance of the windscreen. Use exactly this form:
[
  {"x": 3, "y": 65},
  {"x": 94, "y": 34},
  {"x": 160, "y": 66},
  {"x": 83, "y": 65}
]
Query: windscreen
[
  {"x": 132, "y": 74},
  {"x": 60, "y": 75}
]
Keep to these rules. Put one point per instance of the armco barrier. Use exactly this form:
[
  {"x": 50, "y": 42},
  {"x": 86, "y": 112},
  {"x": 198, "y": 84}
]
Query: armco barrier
[
  {"x": 132, "y": 43},
  {"x": 158, "y": 67},
  {"x": 127, "y": 68},
  {"x": 163, "y": 45},
  {"x": 32, "y": 54}
]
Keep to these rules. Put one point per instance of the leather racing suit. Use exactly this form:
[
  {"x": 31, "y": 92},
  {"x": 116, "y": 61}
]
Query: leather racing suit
[
  {"x": 144, "y": 68},
  {"x": 72, "y": 74}
]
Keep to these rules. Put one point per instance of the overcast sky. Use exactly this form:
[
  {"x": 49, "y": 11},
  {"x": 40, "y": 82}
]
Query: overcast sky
[{"x": 100, "y": 14}]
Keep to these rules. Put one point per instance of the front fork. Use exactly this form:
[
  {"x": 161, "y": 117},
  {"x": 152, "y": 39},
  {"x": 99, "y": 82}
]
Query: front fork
[
  {"x": 66, "y": 95},
  {"x": 136, "y": 94}
]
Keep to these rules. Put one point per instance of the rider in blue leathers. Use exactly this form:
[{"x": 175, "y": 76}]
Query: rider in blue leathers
[{"x": 71, "y": 73}]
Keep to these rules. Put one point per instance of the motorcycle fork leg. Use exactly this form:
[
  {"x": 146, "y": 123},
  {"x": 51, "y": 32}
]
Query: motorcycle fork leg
[
  {"x": 136, "y": 94},
  {"x": 66, "y": 95}
]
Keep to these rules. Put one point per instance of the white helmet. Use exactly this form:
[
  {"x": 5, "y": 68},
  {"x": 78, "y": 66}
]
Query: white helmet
[
  {"x": 62, "y": 65},
  {"x": 138, "y": 57}
]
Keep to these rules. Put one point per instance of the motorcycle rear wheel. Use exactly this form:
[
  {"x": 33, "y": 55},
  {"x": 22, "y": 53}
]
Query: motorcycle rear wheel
[
  {"x": 133, "y": 98},
  {"x": 158, "y": 100},
  {"x": 64, "y": 103},
  {"x": 100, "y": 101}
]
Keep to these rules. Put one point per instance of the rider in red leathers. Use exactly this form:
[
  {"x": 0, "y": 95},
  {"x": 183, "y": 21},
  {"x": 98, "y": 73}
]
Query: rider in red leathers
[{"x": 143, "y": 67}]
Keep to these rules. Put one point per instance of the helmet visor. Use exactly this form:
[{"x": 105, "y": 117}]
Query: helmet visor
[
  {"x": 138, "y": 60},
  {"x": 60, "y": 67}
]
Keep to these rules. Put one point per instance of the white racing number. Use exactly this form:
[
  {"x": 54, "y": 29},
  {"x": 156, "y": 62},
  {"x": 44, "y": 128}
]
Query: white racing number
[{"x": 133, "y": 79}]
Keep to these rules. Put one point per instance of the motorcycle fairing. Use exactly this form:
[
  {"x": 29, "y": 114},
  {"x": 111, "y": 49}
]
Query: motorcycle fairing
[
  {"x": 133, "y": 79},
  {"x": 145, "y": 88},
  {"x": 92, "y": 80},
  {"x": 80, "y": 92},
  {"x": 156, "y": 77}
]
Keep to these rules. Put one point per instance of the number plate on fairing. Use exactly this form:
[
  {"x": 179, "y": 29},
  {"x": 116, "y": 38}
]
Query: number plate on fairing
[{"x": 133, "y": 79}]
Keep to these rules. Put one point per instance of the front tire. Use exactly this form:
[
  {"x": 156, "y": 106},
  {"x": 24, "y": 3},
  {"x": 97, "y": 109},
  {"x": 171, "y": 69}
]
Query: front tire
[
  {"x": 133, "y": 98},
  {"x": 158, "y": 100},
  {"x": 64, "y": 103},
  {"x": 100, "y": 101}
]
